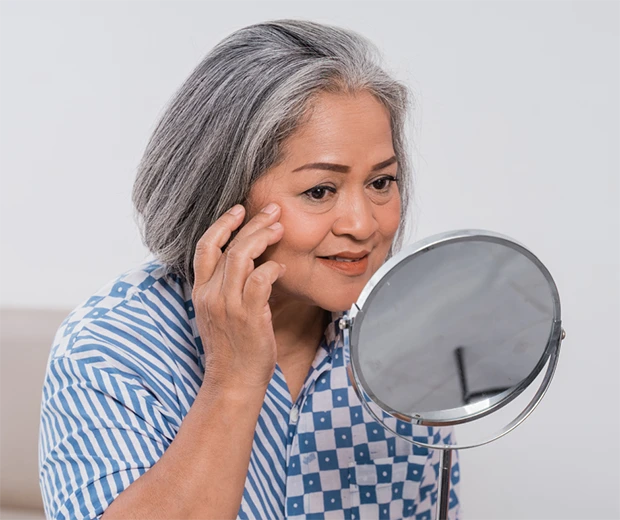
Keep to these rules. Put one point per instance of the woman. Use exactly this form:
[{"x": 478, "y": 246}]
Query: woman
[{"x": 211, "y": 382}]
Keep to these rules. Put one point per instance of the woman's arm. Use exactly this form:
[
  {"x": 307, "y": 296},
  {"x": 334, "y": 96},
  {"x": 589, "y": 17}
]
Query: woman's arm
[
  {"x": 114, "y": 438},
  {"x": 202, "y": 473}
]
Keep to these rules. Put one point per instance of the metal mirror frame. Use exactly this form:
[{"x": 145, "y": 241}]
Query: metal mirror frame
[{"x": 351, "y": 324}]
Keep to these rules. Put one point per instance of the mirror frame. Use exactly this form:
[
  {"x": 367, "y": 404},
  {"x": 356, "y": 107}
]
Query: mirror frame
[{"x": 352, "y": 321}]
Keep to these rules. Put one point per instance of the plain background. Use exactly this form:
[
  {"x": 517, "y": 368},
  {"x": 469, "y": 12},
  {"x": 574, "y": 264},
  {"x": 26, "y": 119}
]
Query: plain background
[{"x": 516, "y": 130}]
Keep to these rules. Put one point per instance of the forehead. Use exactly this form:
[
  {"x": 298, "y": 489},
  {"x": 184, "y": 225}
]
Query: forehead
[{"x": 343, "y": 124}]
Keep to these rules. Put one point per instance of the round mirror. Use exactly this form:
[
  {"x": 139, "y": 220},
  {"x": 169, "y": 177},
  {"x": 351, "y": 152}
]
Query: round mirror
[
  {"x": 450, "y": 330},
  {"x": 454, "y": 328}
]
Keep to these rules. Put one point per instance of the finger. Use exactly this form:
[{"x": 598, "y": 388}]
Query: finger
[
  {"x": 240, "y": 258},
  {"x": 267, "y": 216},
  {"x": 209, "y": 247},
  {"x": 259, "y": 284}
]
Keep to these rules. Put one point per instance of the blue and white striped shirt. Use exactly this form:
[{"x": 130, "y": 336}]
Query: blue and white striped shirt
[{"x": 124, "y": 370}]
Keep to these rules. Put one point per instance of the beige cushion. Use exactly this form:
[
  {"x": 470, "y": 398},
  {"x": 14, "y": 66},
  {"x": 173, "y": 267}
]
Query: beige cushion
[
  {"x": 25, "y": 341},
  {"x": 21, "y": 514}
]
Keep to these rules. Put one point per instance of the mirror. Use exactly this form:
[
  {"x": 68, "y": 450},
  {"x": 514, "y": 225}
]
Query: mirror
[{"x": 452, "y": 329}]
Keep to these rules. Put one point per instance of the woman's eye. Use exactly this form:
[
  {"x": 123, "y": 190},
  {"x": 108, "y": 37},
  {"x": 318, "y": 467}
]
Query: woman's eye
[
  {"x": 383, "y": 183},
  {"x": 318, "y": 192}
]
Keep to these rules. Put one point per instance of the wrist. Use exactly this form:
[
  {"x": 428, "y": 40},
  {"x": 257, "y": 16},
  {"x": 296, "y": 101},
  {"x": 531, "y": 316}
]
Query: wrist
[
  {"x": 224, "y": 376},
  {"x": 231, "y": 392}
]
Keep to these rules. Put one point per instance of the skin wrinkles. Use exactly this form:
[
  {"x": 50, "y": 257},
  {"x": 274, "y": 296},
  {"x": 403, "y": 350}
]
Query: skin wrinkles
[{"x": 351, "y": 130}]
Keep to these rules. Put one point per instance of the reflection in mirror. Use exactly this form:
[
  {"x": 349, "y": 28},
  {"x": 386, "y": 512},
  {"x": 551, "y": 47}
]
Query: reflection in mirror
[{"x": 460, "y": 322}]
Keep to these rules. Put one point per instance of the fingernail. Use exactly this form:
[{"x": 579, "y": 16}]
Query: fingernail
[
  {"x": 236, "y": 210},
  {"x": 276, "y": 226},
  {"x": 270, "y": 208}
]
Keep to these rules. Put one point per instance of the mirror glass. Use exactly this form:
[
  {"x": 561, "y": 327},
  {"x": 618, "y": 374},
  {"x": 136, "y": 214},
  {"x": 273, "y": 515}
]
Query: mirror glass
[{"x": 454, "y": 328}]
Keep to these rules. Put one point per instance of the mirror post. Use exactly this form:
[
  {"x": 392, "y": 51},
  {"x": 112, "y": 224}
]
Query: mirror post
[{"x": 443, "y": 491}]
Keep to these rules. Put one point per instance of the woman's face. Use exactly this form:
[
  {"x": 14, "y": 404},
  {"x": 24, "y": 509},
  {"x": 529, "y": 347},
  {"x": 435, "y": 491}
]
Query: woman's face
[{"x": 337, "y": 200}]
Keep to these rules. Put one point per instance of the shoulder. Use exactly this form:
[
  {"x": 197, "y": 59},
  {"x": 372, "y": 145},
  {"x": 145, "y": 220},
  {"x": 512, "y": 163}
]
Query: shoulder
[{"x": 145, "y": 311}]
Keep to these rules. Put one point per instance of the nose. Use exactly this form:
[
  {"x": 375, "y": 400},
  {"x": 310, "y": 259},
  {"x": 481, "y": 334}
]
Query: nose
[{"x": 356, "y": 218}]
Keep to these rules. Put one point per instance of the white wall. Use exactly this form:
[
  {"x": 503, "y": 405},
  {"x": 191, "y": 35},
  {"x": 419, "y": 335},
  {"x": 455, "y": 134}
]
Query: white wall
[{"x": 517, "y": 130}]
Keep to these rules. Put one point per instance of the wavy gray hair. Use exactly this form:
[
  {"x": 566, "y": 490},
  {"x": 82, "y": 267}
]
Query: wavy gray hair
[{"x": 226, "y": 126}]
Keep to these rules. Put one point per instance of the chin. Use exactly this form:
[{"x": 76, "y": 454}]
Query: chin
[
  {"x": 338, "y": 303},
  {"x": 329, "y": 299}
]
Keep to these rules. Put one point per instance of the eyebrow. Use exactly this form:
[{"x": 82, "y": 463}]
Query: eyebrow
[{"x": 340, "y": 168}]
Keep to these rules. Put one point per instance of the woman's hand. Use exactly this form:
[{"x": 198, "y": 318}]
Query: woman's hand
[{"x": 230, "y": 299}]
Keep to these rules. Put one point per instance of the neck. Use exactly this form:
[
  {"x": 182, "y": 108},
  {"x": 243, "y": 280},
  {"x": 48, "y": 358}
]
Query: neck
[{"x": 298, "y": 328}]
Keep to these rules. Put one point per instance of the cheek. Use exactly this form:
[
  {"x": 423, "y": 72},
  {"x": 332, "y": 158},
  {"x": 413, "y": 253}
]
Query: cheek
[
  {"x": 303, "y": 233},
  {"x": 389, "y": 219},
  {"x": 304, "y": 236}
]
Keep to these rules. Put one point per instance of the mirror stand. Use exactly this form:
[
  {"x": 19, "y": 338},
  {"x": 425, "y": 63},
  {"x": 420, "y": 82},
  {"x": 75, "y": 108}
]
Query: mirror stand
[{"x": 443, "y": 491}]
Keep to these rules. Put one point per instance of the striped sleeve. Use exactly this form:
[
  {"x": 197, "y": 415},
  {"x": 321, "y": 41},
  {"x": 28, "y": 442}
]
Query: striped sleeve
[{"x": 103, "y": 424}]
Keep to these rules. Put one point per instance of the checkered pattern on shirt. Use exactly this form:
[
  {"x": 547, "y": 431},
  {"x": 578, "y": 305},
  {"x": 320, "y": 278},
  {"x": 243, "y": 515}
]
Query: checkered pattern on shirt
[{"x": 343, "y": 464}]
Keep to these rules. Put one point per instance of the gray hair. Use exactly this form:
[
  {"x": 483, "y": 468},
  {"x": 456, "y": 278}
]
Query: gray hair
[{"x": 227, "y": 124}]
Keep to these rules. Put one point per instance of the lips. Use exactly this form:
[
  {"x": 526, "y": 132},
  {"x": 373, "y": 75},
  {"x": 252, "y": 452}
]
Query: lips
[
  {"x": 340, "y": 259},
  {"x": 348, "y": 255},
  {"x": 346, "y": 262}
]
